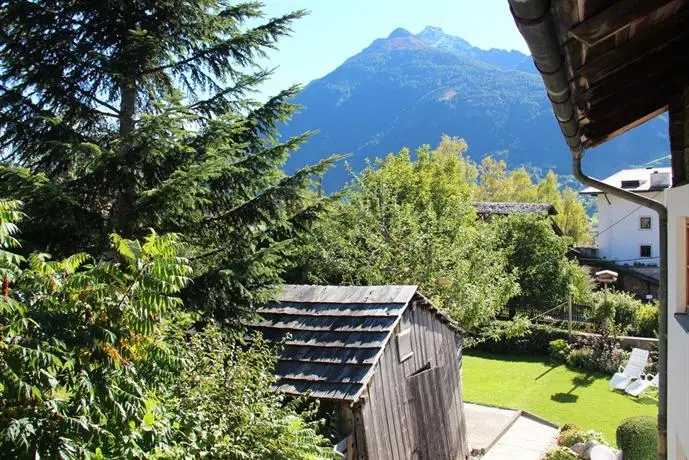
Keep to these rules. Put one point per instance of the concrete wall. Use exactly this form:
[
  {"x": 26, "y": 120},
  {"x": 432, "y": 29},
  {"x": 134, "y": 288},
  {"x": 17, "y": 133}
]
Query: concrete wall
[
  {"x": 677, "y": 202},
  {"x": 620, "y": 236}
]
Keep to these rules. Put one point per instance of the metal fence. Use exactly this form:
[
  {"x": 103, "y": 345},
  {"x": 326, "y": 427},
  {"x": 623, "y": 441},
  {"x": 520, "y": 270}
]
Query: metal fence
[{"x": 580, "y": 313}]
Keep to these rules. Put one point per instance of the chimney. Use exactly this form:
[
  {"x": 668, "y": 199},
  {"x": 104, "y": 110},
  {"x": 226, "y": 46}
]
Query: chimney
[{"x": 660, "y": 179}]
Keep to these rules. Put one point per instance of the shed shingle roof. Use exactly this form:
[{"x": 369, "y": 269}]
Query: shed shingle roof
[{"x": 336, "y": 335}]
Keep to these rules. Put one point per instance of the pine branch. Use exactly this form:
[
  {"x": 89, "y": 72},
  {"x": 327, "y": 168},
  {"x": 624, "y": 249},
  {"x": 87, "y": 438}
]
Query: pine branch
[{"x": 242, "y": 48}]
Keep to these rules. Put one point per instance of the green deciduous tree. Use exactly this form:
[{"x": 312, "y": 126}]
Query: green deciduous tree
[
  {"x": 411, "y": 222},
  {"x": 78, "y": 340},
  {"x": 545, "y": 275},
  {"x": 120, "y": 116},
  {"x": 496, "y": 183},
  {"x": 97, "y": 361}
]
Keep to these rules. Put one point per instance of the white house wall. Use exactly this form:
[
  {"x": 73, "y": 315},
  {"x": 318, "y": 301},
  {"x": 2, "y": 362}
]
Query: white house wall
[
  {"x": 619, "y": 233},
  {"x": 677, "y": 202}
]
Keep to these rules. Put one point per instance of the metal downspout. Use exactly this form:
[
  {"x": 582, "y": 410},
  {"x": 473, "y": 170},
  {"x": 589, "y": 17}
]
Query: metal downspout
[{"x": 535, "y": 22}]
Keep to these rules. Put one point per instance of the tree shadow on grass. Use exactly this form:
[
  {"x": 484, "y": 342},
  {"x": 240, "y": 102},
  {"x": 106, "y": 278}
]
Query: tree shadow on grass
[
  {"x": 508, "y": 357},
  {"x": 578, "y": 381},
  {"x": 564, "y": 397},
  {"x": 582, "y": 381},
  {"x": 643, "y": 400},
  {"x": 550, "y": 369}
]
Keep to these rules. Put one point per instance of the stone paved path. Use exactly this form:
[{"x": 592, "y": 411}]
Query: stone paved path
[
  {"x": 526, "y": 439},
  {"x": 485, "y": 424}
]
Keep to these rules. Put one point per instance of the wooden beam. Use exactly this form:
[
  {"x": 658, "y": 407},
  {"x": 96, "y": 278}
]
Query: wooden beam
[
  {"x": 603, "y": 133},
  {"x": 679, "y": 137},
  {"x": 642, "y": 81},
  {"x": 632, "y": 104},
  {"x": 615, "y": 18},
  {"x": 669, "y": 35},
  {"x": 628, "y": 112},
  {"x": 646, "y": 74}
]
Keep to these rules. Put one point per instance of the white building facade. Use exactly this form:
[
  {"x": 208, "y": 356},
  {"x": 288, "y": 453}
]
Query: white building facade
[
  {"x": 627, "y": 232},
  {"x": 677, "y": 203}
]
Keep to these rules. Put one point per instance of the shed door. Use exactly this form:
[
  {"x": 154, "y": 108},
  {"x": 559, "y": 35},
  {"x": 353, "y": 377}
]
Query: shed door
[{"x": 431, "y": 403}]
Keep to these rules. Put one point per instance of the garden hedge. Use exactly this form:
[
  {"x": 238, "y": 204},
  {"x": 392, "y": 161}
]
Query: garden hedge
[
  {"x": 534, "y": 342},
  {"x": 638, "y": 438}
]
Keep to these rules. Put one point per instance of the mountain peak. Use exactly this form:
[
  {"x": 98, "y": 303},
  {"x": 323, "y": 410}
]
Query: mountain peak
[
  {"x": 432, "y": 30},
  {"x": 400, "y": 33},
  {"x": 437, "y": 38}
]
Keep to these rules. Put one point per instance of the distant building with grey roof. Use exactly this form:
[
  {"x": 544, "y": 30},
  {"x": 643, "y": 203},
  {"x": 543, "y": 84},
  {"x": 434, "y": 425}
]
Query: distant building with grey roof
[
  {"x": 505, "y": 208},
  {"x": 488, "y": 209}
]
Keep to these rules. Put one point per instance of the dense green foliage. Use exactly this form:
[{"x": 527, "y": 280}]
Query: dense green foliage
[
  {"x": 560, "y": 453},
  {"x": 96, "y": 362},
  {"x": 545, "y": 275},
  {"x": 534, "y": 341},
  {"x": 499, "y": 184},
  {"x": 116, "y": 118},
  {"x": 637, "y": 437},
  {"x": 589, "y": 358},
  {"x": 81, "y": 346},
  {"x": 121, "y": 117},
  {"x": 646, "y": 320},
  {"x": 222, "y": 405},
  {"x": 557, "y": 349},
  {"x": 628, "y": 314},
  {"x": 411, "y": 222}
]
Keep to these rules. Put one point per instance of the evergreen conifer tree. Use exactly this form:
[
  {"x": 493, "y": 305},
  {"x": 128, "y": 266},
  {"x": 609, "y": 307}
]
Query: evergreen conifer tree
[{"x": 120, "y": 116}]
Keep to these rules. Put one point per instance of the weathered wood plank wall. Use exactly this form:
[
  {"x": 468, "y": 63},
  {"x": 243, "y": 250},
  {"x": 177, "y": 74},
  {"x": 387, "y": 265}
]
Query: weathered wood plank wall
[{"x": 398, "y": 422}]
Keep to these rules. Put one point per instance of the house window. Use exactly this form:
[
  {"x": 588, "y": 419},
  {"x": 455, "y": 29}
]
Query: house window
[
  {"x": 645, "y": 222},
  {"x": 645, "y": 250},
  {"x": 630, "y": 183}
]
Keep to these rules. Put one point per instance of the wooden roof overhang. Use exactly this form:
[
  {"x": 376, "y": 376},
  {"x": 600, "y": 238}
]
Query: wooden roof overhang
[{"x": 623, "y": 61}]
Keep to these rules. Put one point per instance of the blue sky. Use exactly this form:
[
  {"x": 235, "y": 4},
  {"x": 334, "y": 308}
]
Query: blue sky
[{"x": 338, "y": 29}]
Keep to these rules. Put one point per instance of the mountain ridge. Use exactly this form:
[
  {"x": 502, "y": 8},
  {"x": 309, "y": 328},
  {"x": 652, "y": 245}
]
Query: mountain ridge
[{"x": 409, "y": 89}]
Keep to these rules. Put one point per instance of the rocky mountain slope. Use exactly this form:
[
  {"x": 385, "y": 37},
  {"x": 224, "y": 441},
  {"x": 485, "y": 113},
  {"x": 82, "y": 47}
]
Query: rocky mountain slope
[{"x": 408, "y": 90}]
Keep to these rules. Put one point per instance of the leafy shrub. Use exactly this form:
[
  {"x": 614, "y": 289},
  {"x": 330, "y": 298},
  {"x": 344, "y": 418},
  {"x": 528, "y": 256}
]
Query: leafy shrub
[
  {"x": 558, "y": 350},
  {"x": 80, "y": 346},
  {"x": 582, "y": 284},
  {"x": 599, "y": 353},
  {"x": 582, "y": 358},
  {"x": 98, "y": 361},
  {"x": 224, "y": 407},
  {"x": 560, "y": 453},
  {"x": 615, "y": 305},
  {"x": 571, "y": 435},
  {"x": 535, "y": 340},
  {"x": 645, "y": 323},
  {"x": 637, "y": 437}
]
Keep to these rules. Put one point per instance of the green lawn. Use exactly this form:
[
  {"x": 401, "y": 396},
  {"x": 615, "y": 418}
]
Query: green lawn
[{"x": 551, "y": 391}]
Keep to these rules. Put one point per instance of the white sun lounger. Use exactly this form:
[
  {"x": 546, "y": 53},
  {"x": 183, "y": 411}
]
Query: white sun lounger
[
  {"x": 632, "y": 371},
  {"x": 639, "y": 386}
]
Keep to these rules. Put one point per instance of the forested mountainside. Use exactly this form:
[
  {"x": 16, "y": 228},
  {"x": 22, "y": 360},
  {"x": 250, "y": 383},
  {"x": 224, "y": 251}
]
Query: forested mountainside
[{"x": 408, "y": 90}]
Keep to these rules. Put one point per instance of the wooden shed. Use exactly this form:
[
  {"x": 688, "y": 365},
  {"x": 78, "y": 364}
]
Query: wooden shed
[{"x": 388, "y": 360}]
